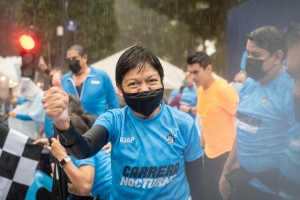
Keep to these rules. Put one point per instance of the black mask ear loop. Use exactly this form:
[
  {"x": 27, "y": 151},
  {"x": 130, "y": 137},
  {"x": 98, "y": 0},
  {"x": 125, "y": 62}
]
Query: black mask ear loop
[{"x": 273, "y": 65}]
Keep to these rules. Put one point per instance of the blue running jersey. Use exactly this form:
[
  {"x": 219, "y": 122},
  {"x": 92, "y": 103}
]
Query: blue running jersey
[
  {"x": 263, "y": 120},
  {"x": 173, "y": 94},
  {"x": 189, "y": 98},
  {"x": 148, "y": 155},
  {"x": 48, "y": 127},
  {"x": 97, "y": 92},
  {"x": 102, "y": 178},
  {"x": 290, "y": 168}
]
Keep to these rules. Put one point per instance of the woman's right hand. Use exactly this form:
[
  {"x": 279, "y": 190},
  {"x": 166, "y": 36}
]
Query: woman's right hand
[
  {"x": 56, "y": 103},
  {"x": 44, "y": 141}
]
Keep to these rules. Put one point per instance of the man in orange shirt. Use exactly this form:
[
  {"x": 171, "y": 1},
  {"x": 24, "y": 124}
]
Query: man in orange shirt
[{"x": 217, "y": 104}]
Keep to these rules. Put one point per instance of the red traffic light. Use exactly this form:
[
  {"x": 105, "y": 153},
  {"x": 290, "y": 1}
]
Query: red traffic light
[{"x": 27, "y": 42}]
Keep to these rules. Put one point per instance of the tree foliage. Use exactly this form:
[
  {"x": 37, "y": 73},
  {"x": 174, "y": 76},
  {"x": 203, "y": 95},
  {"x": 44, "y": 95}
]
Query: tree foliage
[
  {"x": 142, "y": 26},
  {"x": 206, "y": 20},
  {"x": 173, "y": 29},
  {"x": 97, "y": 26},
  {"x": 7, "y": 28},
  {"x": 95, "y": 19}
]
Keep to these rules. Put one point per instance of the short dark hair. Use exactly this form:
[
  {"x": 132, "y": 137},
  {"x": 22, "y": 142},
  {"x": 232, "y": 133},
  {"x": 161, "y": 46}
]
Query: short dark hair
[
  {"x": 82, "y": 123},
  {"x": 292, "y": 35},
  {"x": 134, "y": 56},
  {"x": 79, "y": 48},
  {"x": 199, "y": 57},
  {"x": 75, "y": 106},
  {"x": 269, "y": 38}
]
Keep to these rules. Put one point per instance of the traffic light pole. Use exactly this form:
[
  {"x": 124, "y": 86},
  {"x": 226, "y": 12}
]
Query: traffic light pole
[
  {"x": 49, "y": 54},
  {"x": 63, "y": 42},
  {"x": 29, "y": 47}
]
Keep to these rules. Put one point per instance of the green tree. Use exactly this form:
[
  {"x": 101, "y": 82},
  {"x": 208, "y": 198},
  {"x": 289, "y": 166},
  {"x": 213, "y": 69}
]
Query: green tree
[
  {"x": 95, "y": 19},
  {"x": 171, "y": 28},
  {"x": 97, "y": 27},
  {"x": 206, "y": 20},
  {"x": 141, "y": 26},
  {"x": 8, "y": 40}
]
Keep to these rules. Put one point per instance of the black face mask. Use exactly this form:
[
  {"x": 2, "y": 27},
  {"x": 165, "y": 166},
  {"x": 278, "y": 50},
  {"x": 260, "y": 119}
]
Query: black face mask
[
  {"x": 297, "y": 109},
  {"x": 144, "y": 102},
  {"x": 74, "y": 66},
  {"x": 254, "y": 68}
]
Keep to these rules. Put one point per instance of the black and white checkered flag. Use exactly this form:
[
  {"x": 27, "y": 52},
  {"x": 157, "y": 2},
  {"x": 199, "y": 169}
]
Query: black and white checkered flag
[{"x": 18, "y": 161}]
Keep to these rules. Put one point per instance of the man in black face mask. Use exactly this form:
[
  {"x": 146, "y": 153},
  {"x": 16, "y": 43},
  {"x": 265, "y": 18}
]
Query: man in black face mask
[
  {"x": 265, "y": 116},
  {"x": 92, "y": 86}
]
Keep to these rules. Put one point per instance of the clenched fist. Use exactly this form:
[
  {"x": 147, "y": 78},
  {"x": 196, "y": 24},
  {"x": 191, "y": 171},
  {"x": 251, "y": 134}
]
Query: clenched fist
[{"x": 56, "y": 103}]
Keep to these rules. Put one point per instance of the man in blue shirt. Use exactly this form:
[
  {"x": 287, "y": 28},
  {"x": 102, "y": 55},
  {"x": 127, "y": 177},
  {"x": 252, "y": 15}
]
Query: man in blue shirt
[
  {"x": 92, "y": 86},
  {"x": 264, "y": 118},
  {"x": 290, "y": 174},
  {"x": 189, "y": 96}
]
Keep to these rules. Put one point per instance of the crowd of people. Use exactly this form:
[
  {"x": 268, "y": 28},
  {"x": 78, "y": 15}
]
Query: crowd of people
[{"x": 212, "y": 140}]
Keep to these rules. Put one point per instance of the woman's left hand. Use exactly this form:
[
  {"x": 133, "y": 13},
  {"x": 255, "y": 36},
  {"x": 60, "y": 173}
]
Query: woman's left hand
[
  {"x": 57, "y": 150},
  {"x": 12, "y": 114},
  {"x": 44, "y": 141}
]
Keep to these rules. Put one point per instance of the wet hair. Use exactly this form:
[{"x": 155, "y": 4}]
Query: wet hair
[
  {"x": 75, "y": 106},
  {"x": 82, "y": 122},
  {"x": 269, "y": 38},
  {"x": 292, "y": 35},
  {"x": 133, "y": 57},
  {"x": 81, "y": 51},
  {"x": 199, "y": 57}
]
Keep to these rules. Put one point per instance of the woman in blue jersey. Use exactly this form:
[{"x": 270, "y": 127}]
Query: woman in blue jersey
[
  {"x": 156, "y": 150},
  {"x": 89, "y": 177}
]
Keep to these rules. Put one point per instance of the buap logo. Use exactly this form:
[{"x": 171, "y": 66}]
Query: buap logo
[{"x": 127, "y": 139}]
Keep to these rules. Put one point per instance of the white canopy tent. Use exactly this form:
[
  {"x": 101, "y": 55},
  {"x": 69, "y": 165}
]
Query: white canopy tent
[
  {"x": 10, "y": 73},
  {"x": 10, "y": 67},
  {"x": 173, "y": 75}
]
